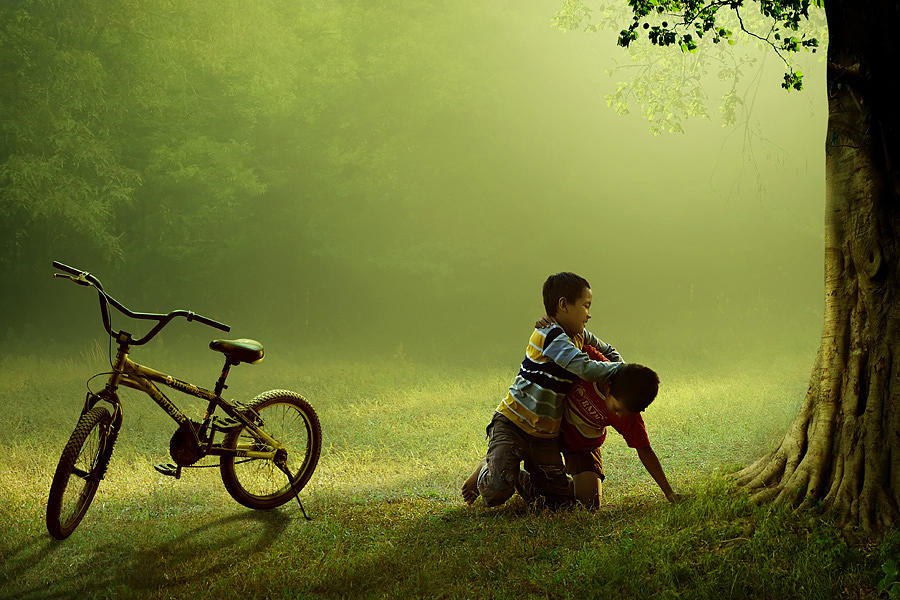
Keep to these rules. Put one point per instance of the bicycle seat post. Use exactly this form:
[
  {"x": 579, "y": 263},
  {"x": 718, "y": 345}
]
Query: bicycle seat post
[
  {"x": 220, "y": 384},
  {"x": 220, "y": 387}
]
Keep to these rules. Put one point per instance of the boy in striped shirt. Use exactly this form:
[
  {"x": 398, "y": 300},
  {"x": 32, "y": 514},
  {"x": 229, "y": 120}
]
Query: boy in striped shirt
[{"x": 526, "y": 423}]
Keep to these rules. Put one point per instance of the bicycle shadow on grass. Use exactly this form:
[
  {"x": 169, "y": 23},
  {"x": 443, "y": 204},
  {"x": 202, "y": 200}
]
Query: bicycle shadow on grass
[
  {"x": 26, "y": 557},
  {"x": 142, "y": 560},
  {"x": 448, "y": 550}
]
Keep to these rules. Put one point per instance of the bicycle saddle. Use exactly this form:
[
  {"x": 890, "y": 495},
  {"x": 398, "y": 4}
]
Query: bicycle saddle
[{"x": 238, "y": 351}]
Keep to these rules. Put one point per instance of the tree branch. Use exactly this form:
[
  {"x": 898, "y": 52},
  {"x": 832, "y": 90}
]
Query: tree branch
[{"x": 763, "y": 39}]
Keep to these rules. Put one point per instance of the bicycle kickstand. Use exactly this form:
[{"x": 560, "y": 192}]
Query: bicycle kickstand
[{"x": 281, "y": 465}]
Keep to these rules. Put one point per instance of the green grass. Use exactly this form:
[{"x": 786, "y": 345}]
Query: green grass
[{"x": 387, "y": 517}]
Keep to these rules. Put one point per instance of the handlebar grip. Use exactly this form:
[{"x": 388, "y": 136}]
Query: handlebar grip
[
  {"x": 67, "y": 268},
  {"x": 208, "y": 321}
]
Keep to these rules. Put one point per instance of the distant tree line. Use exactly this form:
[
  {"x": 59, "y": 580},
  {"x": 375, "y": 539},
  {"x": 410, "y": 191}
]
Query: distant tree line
[{"x": 195, "y": 138}]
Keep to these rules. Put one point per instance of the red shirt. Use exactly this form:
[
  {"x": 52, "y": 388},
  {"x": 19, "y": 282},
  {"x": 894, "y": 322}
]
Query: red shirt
[{"x": 586, "y": 417}]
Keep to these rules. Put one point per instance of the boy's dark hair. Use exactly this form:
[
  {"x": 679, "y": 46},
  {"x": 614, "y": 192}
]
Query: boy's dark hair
[
  {"x": 635, "y": 386},
  {"x": 562, "y": 285}
]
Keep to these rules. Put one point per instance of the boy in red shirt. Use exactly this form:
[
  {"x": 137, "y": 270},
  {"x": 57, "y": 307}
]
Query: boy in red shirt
[
  {"x": 618, "y": 403},
  {"x": 590, "y": 408}
]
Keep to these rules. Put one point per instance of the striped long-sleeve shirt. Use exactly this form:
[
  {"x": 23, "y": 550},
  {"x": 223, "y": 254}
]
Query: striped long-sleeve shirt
[{"x": 553, "y": 362}]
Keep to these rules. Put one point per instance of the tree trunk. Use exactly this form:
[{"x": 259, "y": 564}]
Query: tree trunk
[{"x": 843, "y": 449}]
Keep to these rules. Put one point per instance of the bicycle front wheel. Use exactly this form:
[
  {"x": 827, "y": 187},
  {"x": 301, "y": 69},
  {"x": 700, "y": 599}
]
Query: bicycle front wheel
[
  {"x": 259, "y": 483},
  {"x": 78, "y": 473}
]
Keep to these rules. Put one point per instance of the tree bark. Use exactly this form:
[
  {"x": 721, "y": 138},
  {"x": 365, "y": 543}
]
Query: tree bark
[{"x": 843, "y": 449}]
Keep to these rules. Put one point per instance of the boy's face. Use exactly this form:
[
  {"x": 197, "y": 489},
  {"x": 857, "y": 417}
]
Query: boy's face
[
  {"x": 573, "y": 316},
  {"x": 616, "y": 406}
]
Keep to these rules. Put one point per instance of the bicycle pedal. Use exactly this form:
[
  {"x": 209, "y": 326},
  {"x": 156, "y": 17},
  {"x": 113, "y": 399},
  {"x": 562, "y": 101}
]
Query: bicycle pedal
[{"x": 169, "y": 470}]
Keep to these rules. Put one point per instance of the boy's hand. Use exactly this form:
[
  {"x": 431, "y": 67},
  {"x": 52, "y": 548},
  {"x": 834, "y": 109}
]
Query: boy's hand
[
  {"x": 674, "y": 498},
  {"x": 544, "y": 322}
]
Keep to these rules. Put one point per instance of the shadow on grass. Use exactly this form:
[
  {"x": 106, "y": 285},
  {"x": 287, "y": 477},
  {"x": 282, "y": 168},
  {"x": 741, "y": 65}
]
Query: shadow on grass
[
  {"x": 404, "y": 549},
  {"x": 716, "y": 544},
  {"x": 28, "y": 556},
  {"x": 145, "y": 558}
]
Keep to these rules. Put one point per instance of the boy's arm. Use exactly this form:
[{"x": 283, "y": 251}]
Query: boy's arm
[
  {"x": 589, "y": 338},
  {"x": 651, "y": 463},
  {"x": 563, "y": 352},
  {"x": 608, "y": 351}
]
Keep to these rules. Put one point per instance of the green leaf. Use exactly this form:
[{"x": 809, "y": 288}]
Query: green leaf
[{"x": 891, "y": 581}]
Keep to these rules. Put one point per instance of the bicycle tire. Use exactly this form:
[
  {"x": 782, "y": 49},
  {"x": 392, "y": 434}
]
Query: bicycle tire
[
  {"x": 259, "y": 483},
  {"x": 78, "y": 472}
]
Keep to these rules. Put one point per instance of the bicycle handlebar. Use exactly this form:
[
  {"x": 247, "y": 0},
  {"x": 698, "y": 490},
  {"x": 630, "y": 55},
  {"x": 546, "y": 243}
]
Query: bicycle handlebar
[
  {"x": 207, "y": 321},
  {"x": 67, "y": 268},
  {"x": 84, "y": 278},
  {"x": 79, "y": 277}
]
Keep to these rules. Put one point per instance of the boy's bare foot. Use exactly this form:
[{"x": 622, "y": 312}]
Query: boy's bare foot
[{"x": 470, "y": 487}]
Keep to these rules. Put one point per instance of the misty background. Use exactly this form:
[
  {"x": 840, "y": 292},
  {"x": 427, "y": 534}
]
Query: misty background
[{"x": 393, "y": 180}]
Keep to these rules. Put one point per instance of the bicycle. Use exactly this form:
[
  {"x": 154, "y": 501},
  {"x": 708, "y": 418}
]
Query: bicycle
[{"x": 275, "y": 436}]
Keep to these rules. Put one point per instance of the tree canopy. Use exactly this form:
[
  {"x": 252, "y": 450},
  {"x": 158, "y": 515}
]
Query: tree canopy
[{"x": 699, "y": 18}]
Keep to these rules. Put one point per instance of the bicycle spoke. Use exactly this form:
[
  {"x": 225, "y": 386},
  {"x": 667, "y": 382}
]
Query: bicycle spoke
[{"x": 286, "y": 418}]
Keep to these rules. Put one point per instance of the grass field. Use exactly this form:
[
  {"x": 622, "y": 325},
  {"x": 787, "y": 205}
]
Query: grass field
[{"x": 387, "y": 517}]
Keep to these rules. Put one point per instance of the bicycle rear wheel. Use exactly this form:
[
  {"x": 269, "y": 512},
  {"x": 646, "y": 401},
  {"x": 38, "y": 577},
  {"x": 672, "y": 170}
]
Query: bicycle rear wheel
[
  {"x": 78, "y": 472},
  {"x": 259, "y": 483}
]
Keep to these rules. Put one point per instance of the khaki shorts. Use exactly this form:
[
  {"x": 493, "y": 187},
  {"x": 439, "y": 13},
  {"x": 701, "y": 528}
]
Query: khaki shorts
[{"x": 585, "y": 460}]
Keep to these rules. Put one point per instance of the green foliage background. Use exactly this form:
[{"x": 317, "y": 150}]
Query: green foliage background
[{"x": 402, "y": 175}]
